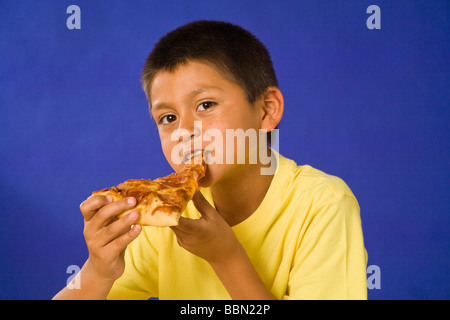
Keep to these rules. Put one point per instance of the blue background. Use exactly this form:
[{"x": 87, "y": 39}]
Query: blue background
[{"x": 370, "y": 106}]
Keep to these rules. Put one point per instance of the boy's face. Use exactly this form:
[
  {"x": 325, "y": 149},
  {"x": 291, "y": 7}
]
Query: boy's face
[{"x": 193, "y": 106}]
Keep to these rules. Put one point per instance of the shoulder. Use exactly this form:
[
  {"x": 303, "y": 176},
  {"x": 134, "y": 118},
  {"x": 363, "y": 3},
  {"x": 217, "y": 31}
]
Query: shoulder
[
  {"x": 313, "y": 186},
  {"x": 310, "y": 179},
  {"x": 322, "y": 201}
]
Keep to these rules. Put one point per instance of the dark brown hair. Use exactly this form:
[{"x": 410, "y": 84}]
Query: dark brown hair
[{"x": 237, "y": 53}]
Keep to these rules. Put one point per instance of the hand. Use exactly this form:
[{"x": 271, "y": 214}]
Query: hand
[
  {"x": 106, "y": 236},
  {"x": 212, "y": 239},
  {"x": 209, "y": 237}
]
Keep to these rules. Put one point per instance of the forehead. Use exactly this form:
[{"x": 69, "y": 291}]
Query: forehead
[
  {"x": 188, "y": 80},
  {"x": 189, "y": 73}
]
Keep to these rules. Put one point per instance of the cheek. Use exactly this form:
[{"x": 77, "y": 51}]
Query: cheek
[
  {"x": 167, "y": 146},
  {"x": 173, "y": 152},
  {"x": 164, "y": 139}
]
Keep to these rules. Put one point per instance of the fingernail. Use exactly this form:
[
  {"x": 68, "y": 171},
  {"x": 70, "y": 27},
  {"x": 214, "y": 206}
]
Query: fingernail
[
  {"x": 130, "y": 200},
  {"x": 133, "y": 215},
  {"x": 109, "y": 198},
  {"x": 136, "y": 228}
]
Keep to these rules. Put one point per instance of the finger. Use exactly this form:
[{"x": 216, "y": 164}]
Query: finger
[
  {"x": 178, "y": 231},
  {"x": 186, "y": 226},
  {"x": 181, "y": 236},
  {"x": 202, "y": 205},
  {"x": 90, "y": 206},
  {"x": 120, "y": 243},
  {"x": 109, "y": 212},
  {"x": 117, "y": 228}
]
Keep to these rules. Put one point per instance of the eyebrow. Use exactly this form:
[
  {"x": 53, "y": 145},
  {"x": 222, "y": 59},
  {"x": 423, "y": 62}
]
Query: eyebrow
[
  {"x": 203, "y": 89},
  {"x": 192, "y": 94},
  {"x": 158, "y": 106}
]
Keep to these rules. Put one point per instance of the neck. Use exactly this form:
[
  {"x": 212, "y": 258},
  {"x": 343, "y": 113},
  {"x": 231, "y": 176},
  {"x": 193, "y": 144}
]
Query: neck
[{"x": 237, "y": 199}]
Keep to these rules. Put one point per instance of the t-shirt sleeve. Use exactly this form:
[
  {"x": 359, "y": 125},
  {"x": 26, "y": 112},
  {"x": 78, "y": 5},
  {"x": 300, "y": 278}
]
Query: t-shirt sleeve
[
  {"x": 140, "y": 278},
  {"x": 330, "y": 260}
]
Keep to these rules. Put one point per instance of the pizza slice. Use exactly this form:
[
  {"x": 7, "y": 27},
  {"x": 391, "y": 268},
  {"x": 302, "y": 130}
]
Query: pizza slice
[{"x": 160, "y": 202}]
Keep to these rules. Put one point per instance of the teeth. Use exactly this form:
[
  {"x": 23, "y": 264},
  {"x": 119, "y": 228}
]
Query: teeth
[
  {"x": 196, "y": 153},
  {"x": 191, "y": 155}
]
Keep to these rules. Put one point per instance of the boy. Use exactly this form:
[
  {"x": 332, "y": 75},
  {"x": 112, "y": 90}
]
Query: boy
[{"x": 292, "y": 234}]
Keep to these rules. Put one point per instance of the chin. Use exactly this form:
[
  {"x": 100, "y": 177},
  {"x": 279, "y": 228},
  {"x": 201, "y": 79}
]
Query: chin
[
  {"x": 214, "y": 173},
  {"x": 218, "y": 174},
  {"x": 208, "y": 180}
]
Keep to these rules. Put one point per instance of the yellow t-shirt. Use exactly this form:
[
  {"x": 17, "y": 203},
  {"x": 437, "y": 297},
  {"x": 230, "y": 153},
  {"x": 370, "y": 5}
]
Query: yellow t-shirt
[{"x": 305, "y": 241}]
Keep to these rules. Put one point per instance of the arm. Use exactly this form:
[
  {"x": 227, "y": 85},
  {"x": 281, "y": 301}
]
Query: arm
[
  {"x": 240, "y": 278},
  {"x": 92, "y": 287},
  {"x": 106, "y": 239},
  {"x": 212, "y": 239}
]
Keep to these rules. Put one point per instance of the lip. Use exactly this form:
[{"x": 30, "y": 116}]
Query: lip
[{"x": 193, "y": 152}]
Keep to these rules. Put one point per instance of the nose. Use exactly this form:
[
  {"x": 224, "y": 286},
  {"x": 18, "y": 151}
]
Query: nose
[
  {"x": 188, "y": 135},
  {"x": 189, "y": 129}
]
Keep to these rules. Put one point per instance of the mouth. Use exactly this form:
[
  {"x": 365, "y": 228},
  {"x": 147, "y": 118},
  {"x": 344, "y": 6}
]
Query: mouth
[{"x": 195, "y": 153}]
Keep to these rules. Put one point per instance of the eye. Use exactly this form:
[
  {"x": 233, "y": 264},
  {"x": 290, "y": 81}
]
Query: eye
[
  {"x": 167, "y": 119},
  {"x": 205, "y": 105}
]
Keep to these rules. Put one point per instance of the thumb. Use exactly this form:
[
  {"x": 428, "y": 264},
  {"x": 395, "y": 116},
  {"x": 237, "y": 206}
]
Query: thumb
[{"x": 202, "y": 205}]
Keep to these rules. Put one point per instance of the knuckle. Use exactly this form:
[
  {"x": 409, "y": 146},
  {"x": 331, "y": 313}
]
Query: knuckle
[
  {"x": 120, "y": 205},
  {"x": 86, "y": 233},
  {"x": 91, "y": 241},
  {"x": 89, "y": 244},
  {"x": 114, "y": 230},
  {"x": 107, "y": 233},
  {"x": 122, "y": 242},
  {"x": 92, "y": 203},
  {"x": 129, "y": 202},
  {"x": 181, "y": 242},
  {"x": 128, "y": 238},
  {"x": 84, "y": 208},
  {"x": 130, "y": 235}
]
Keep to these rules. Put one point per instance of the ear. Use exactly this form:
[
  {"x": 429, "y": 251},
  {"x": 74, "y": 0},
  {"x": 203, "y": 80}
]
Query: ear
[{"x": 272, "y": 108}]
